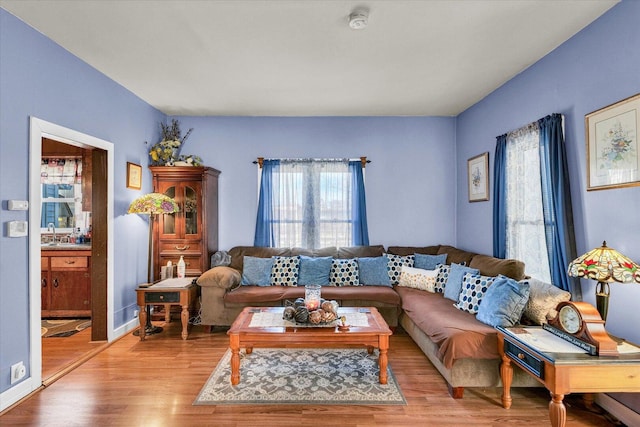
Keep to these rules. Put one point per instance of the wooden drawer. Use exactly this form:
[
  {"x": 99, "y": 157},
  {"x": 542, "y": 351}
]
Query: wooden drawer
[
  {"x": 69, "y": 262},
  {"x": 193, "y": 247},
  {"x": 527, "y": 360},
  {"x": 44, "y": 263},
  {"x": 192, "y": 263}
]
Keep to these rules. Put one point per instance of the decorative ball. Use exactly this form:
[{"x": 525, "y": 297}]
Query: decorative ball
[
  {"x": 302, "y": 314},
  {"x": 328, "y": 316},
  {"x": 289, "y": 313},
  {"x": 315, "y": 317},
  {"x": 299, "y": 302},
  {"x": 328, "y": 306}
]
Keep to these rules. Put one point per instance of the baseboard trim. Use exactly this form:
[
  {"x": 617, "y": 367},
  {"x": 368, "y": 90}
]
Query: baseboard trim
[{"x": 618, "y": 410}]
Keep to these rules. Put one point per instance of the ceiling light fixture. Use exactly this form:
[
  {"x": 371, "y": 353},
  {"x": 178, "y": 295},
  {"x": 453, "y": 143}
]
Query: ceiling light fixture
[{"x": 358, "y": 20}]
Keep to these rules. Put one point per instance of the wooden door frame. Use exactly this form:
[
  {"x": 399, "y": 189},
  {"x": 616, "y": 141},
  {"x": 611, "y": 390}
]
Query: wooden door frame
[{"x": 102, "y": 309}]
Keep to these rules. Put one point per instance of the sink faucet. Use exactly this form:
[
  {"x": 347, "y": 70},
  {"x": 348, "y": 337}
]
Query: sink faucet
[{"x": 52, "y": 227}]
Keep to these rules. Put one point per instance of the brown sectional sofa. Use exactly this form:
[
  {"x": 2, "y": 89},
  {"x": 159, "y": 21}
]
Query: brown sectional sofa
[{"x": 463, "y": 349}]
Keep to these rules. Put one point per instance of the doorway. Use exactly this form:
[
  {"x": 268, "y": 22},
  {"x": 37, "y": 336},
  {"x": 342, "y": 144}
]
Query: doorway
[{"x": 101, "y": 252}]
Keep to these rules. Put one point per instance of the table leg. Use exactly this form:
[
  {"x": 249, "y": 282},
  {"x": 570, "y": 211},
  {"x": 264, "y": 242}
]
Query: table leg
[
  {"x": 184, "y": 317},
  {"x": 506, "y": 373},
  {"x": 142, "y": 316},
  {"x": 234, "y": 344},
  {"x": 557, "y": 410},
  {"x": 167, "y": 313},
  {"x": 382, "y": 358}
]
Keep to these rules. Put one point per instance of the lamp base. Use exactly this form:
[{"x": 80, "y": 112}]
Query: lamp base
[{"x": 602, "y": 299}]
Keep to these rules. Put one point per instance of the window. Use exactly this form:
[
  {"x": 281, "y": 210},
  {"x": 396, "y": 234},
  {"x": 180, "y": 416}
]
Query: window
[
  {"x": 62, "y": 195},
  {"x": 311, "y": 204},
  {"x": 525, "y": 230}
]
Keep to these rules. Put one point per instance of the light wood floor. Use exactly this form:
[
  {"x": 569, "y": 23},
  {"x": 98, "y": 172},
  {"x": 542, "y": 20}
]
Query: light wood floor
[{"x": 154, "y": 383}]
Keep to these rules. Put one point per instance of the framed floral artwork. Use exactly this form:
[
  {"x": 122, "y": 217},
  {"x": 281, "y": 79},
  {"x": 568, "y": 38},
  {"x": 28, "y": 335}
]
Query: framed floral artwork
[
  {"x": 613, "y": 159},
  {"x": 134, "y": 176},
  {"x": 478, "y": 177}
]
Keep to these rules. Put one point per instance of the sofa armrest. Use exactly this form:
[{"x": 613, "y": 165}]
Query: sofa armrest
[{"x": 220, "y": 277}]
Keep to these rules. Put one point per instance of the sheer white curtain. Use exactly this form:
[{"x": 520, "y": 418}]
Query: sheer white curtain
[
  {"x": 525, "y": 230},
  {"x": 312, "y": 203}
]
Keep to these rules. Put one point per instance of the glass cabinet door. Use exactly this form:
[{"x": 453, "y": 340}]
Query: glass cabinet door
[
  {"x": 191, "y": 210},
  {"x": 168, "y": 221}
]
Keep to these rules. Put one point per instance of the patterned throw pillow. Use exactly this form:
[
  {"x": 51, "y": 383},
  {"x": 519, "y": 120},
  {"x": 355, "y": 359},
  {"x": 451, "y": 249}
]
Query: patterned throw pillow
[
  {"x": 344, "y": 272},
  {"x": 474, "y": 287},
  {"x": 454, "y": 282},
  {"x": 442, "y": 277},
  {"x": 284, "y": 271},
  {"x": 418, "y": 278},
  {"x": 395, "y": 266}
]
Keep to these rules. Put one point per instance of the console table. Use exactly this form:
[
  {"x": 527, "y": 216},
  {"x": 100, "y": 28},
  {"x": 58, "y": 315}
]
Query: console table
[
  {"x": 168, "y": 292},
  {"x": 564, "y": 372}
]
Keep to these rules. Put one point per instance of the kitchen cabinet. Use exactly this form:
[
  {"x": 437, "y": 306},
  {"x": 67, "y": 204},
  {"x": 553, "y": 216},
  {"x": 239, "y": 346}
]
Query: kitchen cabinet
[
  {"x": 66, "y": 283},
  {"x": 193, "y": 231}
]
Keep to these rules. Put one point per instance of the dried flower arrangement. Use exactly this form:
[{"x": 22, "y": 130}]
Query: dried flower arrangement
[{"x": 167, "y": 151}]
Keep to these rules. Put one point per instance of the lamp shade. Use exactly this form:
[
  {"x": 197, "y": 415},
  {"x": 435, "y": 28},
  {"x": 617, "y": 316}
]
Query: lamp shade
[
  {"x": 605, "y": 265},
  {"x": 153, "y": 203}
]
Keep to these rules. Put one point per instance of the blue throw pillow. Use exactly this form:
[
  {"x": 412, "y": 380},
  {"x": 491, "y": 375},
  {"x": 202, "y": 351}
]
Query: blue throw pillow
[
  {"x": 256, "y": 271},
  {"x": 504, "y": 302},
  {"x": 454, "y": 282},
  {"x": 314, "y": 270},
  {"x": 429, "y": 262},
  {"x": 373, "y": 271}
]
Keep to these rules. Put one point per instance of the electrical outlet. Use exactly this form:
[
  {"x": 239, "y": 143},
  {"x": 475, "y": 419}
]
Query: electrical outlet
[
  {"x": 18, "y": 371},
  {"x": 135, "y": 314}
]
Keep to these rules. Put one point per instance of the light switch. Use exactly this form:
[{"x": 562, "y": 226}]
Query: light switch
[
  {"x": 18, "y": 205},
  {"x": 17, "y": 228}
]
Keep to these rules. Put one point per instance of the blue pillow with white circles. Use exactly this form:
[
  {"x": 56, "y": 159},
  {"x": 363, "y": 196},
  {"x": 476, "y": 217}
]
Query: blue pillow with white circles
[
  {"x": 474, "y": 288},
  {"x": 442, "y": 277}
]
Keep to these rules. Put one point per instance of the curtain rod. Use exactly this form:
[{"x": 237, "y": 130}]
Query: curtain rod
[{"x": 260, "y": 161}]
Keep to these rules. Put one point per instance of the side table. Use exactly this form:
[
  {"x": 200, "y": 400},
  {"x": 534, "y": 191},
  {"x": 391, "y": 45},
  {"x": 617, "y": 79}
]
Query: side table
[
  {"x": 181, "y": 292},
  {"x": 564, "y": 372}
]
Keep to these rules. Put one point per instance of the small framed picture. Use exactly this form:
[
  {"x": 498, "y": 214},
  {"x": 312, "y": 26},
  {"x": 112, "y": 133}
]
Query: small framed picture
[
  {"x": 478, "y": 177},
  {"x": 613, "y": 158},
  {"x": 134, "y": 176}
]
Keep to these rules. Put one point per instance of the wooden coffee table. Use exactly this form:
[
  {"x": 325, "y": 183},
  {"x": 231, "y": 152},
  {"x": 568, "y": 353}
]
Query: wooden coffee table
[{"x": 374, "y": 335}]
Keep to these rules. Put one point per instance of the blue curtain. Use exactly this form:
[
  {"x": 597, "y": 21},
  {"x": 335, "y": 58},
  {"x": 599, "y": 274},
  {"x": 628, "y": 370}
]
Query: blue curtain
[
  {"x": 556, "y": 203},
  {"x": 499, "y": 198},
  {"x": 264, "y": 222},
  {"x": 360, "y": 230}
]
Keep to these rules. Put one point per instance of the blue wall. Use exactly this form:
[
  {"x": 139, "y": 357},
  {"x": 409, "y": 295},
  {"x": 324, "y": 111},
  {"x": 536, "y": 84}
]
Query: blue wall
[
  {"x": 597, "y": 67},
  {"x": 39, "y": 78},
  {"x": 409, "y": 180}
]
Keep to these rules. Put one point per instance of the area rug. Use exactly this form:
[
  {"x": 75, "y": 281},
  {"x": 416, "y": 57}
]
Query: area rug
[
  {"x": 309, "y": 376},
  {"x": 59, "y": 328}
]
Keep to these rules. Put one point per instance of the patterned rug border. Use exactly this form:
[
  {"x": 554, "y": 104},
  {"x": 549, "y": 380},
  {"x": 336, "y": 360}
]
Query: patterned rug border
[
  {"x": 62, "y": 328},
  {"x": 223, "y": 370}
]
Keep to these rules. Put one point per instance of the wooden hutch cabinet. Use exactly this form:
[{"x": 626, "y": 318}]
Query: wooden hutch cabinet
[{"x": 193, "y": 231}]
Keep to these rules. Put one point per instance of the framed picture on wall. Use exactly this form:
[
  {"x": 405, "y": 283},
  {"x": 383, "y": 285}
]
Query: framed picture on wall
[
  {"x": 478, "y": 177},
  {"x": 613, "y": 158},
  {"x": 134, "y": 176}
]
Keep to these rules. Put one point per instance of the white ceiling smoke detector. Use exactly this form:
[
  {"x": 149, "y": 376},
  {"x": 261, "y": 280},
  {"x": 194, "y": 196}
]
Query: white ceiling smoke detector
[{"x": 358, "y": 20}]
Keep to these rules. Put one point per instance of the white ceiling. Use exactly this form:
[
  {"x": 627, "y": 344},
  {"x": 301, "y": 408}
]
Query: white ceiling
[{"x": 300, "y": 58}]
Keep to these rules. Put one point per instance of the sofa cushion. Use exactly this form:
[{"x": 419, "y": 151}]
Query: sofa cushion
[
  {"x": 456, "y": 255},
  {"x": 429, "y": 262},
  {"x": 256, "y": 271},
  {"x": 490, "y": 266},
  {"x": 330, "y": 251},
  {"x": 360, "y": 251},
  {"x": 344, "y": 272},
  {"x": 457, "y": 334},
  {"x": 285, "y": 270},
  {"x": 418, "y": 278},
  {"x": 314, "y": 270},
  {"x": 373, "y": 271},
  {"x": 504, "y": 302},
  {"x": 454, "y": 282},
  {"x": 220, "y": 277},
  {"x": 474, "y": 288},
  {"x": 543, "y": 299},
  {"x": 395, "y": 264},
  {"x": 410, "y": 250},
  {"x": 442, "y": 277}
]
